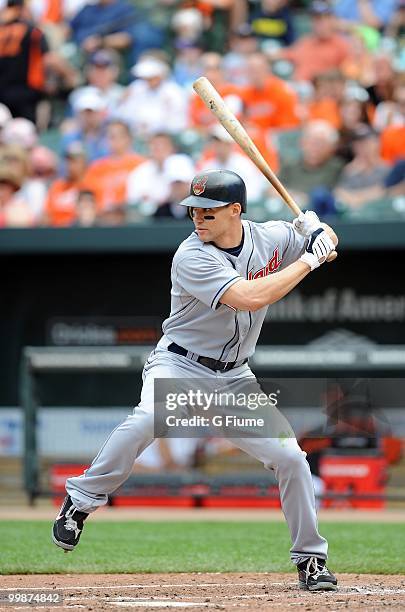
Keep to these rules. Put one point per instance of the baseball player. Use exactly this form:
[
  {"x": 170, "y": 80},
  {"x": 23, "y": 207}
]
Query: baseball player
[{"x": 224, "y": 277}]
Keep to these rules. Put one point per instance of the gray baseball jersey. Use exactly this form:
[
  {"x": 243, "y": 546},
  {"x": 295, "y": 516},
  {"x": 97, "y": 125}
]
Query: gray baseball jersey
[{"x": 201, "y": 273}]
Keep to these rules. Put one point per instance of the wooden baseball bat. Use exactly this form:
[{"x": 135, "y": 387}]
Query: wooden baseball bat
[{"x": 211, "y": 98}]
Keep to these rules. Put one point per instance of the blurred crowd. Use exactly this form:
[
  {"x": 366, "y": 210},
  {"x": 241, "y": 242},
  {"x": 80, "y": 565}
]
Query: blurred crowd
[{"x": 99, "y": 124}]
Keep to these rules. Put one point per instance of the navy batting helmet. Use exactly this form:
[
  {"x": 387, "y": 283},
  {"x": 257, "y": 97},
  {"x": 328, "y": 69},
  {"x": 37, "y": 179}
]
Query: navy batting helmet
[{"x": 216, "y": 188}]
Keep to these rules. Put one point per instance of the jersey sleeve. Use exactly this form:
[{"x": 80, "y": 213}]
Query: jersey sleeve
[
  {"x": 291, "y": 242},
  {"x": 205, "y": 278}
]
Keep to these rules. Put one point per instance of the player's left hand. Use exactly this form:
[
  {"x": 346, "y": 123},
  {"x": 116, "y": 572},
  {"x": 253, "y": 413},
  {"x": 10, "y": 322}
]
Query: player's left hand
[
  {"x": 331, "y": 233},
  {"x": 306, "y": 223}
]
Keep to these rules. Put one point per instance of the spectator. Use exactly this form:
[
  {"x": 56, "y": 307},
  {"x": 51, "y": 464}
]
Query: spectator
[
  {"x": 383, "y": 81},
  {"x": 107, "y": 177},
  {"x": 148, "y": 186},
  {"x": 16, "y": 158},
  {"x": 269, "y": 102},
  {"x": 220, "y": 17},
  {"x": 212, "y": 68},
  {"x": 152, "y": 27},
  {"x": 86, "y": 209},
  {"x": 187, "y": 63},
  {"x": 363, "y": 179},
  {"x": 102, "y": 72},
  {"x": 188, "y": 25},
  {"x": 89, "y": 126},
  {"x": 396, "y": 27},
  {"x": 24, "y": 57},
  {"x": 393, "y": 144},
  {"x": 179, "y": 172},
  {"x": 35, "y": 169},
  {"x": 358, "y": 66},
  {"x": 50, "y": 16},
  {"x": 14, "y": 211},
  {"x": 353, "y": 114},
  {"x": 20, "y": 132},
  {"x": 43, "y": 170},
  {"x": 272, "y": 20},
  {"x": 242, "y": 44},
  {"x": 328, "y": 94},
  {"x": 318, "y": 168},
  {"x": 222, "y": 154},
  {"x": 60, "y": 207},
  {"x": 393, "y": 136},
  {"x": 373, "y": 13},
  {"x": 322, "y": 50},
  {"x": 104, "y": 24},
  {"x": 391, "y": 112},
  {"x": 153, "y": 102}
]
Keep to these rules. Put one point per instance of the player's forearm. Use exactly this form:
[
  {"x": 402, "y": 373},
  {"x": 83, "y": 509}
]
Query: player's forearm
[
  {"x": 257, "y": 293},
  {"x": 270, "y": 289}
]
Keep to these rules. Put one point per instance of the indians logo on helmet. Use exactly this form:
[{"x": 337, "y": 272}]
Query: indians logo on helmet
[{"x": 199, "y": 185}]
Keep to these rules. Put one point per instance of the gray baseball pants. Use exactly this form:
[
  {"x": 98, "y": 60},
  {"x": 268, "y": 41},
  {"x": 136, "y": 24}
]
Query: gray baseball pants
[{"x": 115, "y": 460}]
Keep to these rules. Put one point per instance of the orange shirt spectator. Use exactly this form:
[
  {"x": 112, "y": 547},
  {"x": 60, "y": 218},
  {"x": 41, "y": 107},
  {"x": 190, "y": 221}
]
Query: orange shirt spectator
[
  {"x": 274, "y": 105},
  {"x": 328, "y": 95},
  {"x": 321, "y": 50},
  {"x": 393, "y": 143},
  {"x": 313, "y": 56},
  {"x": 326, "y": 109},
  {"x": 202, "y": 117},
  {"x": 268, "y": 101},
  {"x": 60, "y": 206},
  {"x": 107, "y": 179}
]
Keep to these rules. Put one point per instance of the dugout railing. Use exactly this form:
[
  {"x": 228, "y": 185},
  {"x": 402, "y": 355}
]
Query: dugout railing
[{"x": 280, "y": 361}]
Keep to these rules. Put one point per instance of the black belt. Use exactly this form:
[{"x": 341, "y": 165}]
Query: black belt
[{"x": 208, "y": 362}]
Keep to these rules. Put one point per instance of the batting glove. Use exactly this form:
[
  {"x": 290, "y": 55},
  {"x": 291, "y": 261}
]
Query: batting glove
[
  {"x": 319, "y": 247},
  {"x": 306, "y": 223}
]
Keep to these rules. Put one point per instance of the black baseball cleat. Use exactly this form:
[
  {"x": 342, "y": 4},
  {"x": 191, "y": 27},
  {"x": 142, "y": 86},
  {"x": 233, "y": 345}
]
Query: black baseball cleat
[
  {"x": 68, "y": 525},
  {"x": 313, "y": 575}
]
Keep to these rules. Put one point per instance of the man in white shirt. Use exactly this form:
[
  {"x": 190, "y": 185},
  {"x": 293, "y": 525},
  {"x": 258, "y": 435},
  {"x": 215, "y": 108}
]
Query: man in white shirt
[
  {"x": 153, "y": 103},
  {"x": 148, "y": 186}
]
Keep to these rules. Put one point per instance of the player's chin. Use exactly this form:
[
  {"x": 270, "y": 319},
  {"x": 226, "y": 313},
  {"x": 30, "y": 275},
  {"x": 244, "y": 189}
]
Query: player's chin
[{"x": 203, "y": 235}]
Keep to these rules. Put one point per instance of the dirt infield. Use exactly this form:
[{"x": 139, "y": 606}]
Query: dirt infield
[
  {"x": 47, "y": 512},
  {"x": 205, "y": 591}
]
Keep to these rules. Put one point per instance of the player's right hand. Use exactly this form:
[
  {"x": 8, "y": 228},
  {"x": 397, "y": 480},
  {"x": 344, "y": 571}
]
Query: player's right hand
[
  {"x": 306, "y": 223},
  {"x": 318, "y": 249}
]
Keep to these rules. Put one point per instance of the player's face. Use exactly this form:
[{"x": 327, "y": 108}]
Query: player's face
[{"x": 211, "y": 223}]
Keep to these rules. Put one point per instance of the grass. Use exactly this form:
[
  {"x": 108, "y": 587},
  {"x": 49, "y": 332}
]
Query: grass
[{"x": 131, "y": 547}]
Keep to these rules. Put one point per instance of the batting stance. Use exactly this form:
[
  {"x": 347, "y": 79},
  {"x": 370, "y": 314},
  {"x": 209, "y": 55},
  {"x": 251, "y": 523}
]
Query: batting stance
[{"x": 224, "y": 277}]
